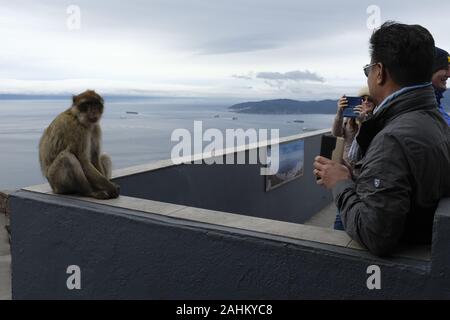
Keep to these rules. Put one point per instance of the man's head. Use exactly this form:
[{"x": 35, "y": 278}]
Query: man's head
[
  {"x": 440, "y": 69},
  {"x": 401, "y": 55}
]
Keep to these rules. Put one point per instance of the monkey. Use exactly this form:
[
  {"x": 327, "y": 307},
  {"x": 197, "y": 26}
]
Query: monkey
[{"x": 70, "y": 151}]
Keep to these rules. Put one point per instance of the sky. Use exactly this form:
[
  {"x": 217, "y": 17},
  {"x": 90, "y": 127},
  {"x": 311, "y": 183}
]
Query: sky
[{"x": 249, "y": 49}]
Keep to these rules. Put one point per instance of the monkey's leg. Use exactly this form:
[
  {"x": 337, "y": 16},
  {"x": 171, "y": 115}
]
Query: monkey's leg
[
  {"x": 106, "y": 165},
  {"x": 66, "y": 175}
]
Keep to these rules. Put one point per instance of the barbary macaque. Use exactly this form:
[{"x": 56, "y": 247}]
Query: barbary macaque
[{"x": 70, "y": 151}]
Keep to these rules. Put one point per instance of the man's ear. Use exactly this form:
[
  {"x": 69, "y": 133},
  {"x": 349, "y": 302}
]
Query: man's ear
[{"x": 382, "y": 74}]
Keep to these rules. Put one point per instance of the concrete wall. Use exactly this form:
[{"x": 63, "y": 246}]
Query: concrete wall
[
  {"x": 233, "y": 188},
  {"x": 125, "y": 254},
  {"x": 5, "y": 253},
  {"x": 4, "y": 201}
]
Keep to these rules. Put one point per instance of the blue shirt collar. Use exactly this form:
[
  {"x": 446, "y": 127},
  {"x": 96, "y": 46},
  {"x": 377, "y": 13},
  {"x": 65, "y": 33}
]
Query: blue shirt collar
[{"x": 397, "y": 93}]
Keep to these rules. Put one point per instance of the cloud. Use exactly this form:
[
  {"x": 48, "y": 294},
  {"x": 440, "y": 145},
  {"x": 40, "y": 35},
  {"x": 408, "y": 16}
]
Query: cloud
[
  {"x": 203, "y": 46},
  {"x": 248, "y": 76},
  {"x": 291, "y": 75},
  {"x": 238, "y": 44},
  {"x": 243, "y": 77}
]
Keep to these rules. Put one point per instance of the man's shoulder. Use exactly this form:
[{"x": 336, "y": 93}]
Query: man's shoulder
[
  {"x": 418, "y": 130},
  {"x": 422, "y": 124}
]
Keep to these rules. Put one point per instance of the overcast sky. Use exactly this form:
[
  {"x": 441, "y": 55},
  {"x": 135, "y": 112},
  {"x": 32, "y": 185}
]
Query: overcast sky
[{"x": 204, "y": 48}]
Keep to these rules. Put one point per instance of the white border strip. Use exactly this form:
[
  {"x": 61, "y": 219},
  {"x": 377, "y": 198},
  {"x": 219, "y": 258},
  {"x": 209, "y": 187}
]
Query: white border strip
[{"x": 206, "y": 155}]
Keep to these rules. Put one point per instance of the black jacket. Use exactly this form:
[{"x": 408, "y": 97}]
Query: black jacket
[{"x": 404, "y": 173}]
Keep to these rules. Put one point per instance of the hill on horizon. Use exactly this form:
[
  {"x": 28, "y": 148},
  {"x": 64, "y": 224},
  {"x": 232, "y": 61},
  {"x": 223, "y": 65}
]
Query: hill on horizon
[{"x": 286, "y": 106}]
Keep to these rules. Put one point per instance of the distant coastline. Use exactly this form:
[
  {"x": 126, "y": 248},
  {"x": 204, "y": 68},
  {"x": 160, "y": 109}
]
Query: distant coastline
[{"x": 286, "y": 106}]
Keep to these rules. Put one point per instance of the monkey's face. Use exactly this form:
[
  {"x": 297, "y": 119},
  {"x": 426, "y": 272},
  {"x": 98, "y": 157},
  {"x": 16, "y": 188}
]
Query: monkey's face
[{"x": 90, "y": 112}]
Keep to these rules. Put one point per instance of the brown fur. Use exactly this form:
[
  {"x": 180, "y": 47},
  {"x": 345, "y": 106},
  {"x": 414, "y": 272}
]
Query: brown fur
[{"x": 70, "y": 151}]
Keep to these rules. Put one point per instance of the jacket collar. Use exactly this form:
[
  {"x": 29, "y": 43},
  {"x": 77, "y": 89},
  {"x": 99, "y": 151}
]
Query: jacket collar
[
  {"x": 418, "y": 99},
  {"x": 398, "y": 93}
]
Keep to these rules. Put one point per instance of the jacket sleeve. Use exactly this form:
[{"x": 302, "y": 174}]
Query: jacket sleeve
[
  {"x": 337, "y": 130},
  {"x": 374, "y": 207}
]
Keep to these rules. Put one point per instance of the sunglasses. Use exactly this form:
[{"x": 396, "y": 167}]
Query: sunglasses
[
  {"x": 366, "y": 99},
  {"x": 367, "y": 68}
]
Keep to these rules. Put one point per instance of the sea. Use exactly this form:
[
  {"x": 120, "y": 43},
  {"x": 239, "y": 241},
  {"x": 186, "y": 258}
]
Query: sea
[{"x": 135, "y": 131}]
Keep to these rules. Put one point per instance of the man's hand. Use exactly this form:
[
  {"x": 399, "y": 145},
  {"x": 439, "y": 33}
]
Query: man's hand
[
  {"x": 330, "y": 172},
  {"x": 363, "y": 111}
]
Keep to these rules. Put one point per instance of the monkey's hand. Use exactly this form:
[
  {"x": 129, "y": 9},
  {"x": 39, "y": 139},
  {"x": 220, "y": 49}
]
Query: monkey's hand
[
  {"x": 113, "y": 190},
  {"x": 102, "y": 195}
]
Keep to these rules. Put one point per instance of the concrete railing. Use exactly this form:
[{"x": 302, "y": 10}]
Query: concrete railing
[
  {"x": 136, "y": 247},
  {"x": 235, "y": 188}
]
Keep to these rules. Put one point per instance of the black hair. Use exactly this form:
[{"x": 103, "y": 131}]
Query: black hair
[{"x": 406, "y": 51}]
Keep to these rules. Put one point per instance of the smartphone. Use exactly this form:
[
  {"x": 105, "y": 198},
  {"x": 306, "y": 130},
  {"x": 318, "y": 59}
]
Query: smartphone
[
  {"x": 332, "y": 148},
  {"x": 352, "y": 102}
]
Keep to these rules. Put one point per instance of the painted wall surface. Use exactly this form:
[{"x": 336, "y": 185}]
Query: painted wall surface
[
  {"x": 125, "y": 254},
  {"x": 234, "y": 188}
]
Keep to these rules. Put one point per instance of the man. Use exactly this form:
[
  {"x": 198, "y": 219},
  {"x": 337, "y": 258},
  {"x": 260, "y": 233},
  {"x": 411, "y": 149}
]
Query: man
[
  {"x": 405, "y": 145},
  {"x": 441, "y": 73}
]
